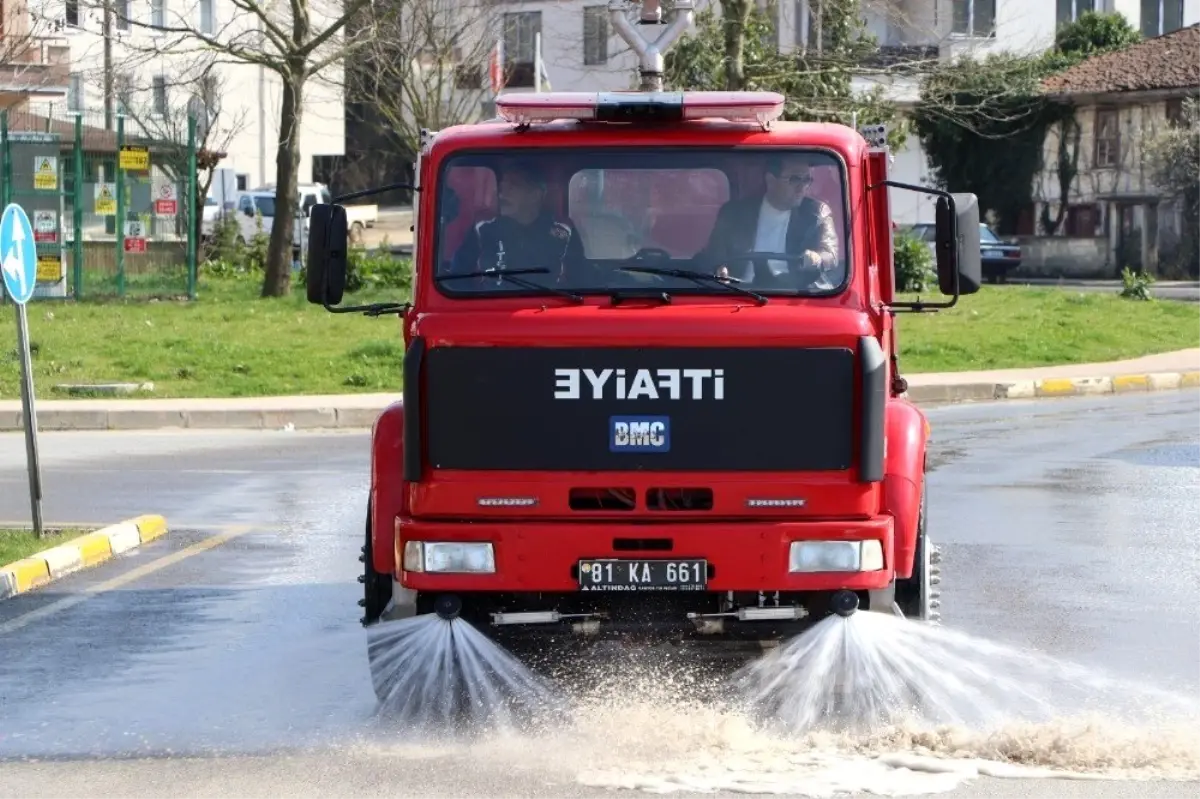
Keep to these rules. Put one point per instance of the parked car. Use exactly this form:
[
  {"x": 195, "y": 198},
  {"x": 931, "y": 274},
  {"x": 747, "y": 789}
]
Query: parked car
[
  {"x": 998, "y": 256},
  {"x": 358, "y": 217},
  {"x": 251, "y": 204}
]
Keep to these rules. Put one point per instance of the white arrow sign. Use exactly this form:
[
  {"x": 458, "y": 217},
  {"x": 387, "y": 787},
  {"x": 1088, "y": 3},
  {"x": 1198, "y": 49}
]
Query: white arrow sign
[{"x": 14, "y": 264}]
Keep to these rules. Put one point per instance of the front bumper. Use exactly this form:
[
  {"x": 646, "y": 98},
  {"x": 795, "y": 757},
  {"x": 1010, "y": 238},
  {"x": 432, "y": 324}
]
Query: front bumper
[{"x": 544, "y": 556}]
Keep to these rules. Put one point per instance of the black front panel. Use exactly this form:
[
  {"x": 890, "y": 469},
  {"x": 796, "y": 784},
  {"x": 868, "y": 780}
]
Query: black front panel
[{"x": 656, "y": 409}]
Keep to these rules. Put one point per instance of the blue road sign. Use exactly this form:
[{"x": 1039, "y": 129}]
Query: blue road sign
[{"x": 18, "y": 254}]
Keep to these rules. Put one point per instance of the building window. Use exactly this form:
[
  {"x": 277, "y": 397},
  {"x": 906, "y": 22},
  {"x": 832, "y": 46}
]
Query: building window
[
  {"x": 75, "y": 92},
  {"x": 520, "y": 31},
  {"x": 1082, "y": 220},
  {"x": 1174, "y": 113},
  {"x": 207, "y": 21},
  {"x": 974, "y": 17},
  {"x": 595, "y": 35},
  {"x": 1072, "y": 10},
  {"x": 1108, "y": 138},
  {"x": 124, "y": 10},
  {"x": 72, "y": 13},
  {"x": 1161, "y": 16},
  {"x": 158, "y": 13},
  {"x": 160, "y": 95}
]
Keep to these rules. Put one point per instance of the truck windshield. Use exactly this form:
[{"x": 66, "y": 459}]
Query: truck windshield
[{"x": 607, "y": 220}]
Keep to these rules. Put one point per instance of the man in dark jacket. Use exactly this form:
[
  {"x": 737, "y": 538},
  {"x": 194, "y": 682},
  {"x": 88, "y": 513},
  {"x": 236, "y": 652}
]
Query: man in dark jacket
[
  {"x": 783, "y": 220},
  {"x": 524, "y": 235}
]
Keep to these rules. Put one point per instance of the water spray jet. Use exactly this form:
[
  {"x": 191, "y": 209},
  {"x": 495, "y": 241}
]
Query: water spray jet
[
  {"x": 447, "y": 606},
  {"x": 844, "y": 603}
]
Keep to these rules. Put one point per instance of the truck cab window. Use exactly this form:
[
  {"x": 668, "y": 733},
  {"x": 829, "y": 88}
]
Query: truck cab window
[{"x": 587, "y": 215}]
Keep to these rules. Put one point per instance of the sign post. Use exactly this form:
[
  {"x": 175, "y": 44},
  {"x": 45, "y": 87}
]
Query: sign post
[{"x": 18, "y": 261}]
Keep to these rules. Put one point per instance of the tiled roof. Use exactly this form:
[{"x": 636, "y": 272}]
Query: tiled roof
[{"x": 1170, "y": 61}]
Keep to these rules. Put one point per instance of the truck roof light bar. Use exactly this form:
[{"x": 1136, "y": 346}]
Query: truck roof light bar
[{"x": 524, "y": 109}]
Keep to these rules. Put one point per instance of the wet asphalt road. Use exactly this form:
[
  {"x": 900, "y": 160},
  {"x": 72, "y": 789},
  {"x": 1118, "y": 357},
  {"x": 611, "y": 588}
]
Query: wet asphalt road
[{"x": 229, "y": 655}]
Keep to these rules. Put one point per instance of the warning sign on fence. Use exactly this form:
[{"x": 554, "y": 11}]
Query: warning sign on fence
[
  {"x": 106, "y": 199},
  {"x": 165, "y": 201},
  {"x": 45, "y": 227},
  {"x": 45, "y": 173},
  {"x": 135, "y": 236},
  {"x": 134, "y": 158},
  {"x": 49, "y": 269}
]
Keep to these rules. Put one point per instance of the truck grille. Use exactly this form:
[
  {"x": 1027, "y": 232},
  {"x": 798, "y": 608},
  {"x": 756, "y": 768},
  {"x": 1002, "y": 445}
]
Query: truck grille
[{"x": 639, "y": 409}]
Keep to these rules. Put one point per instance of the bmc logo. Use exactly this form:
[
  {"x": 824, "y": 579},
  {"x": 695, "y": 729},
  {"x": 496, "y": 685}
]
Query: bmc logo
[{"x": 639, "y": 434}]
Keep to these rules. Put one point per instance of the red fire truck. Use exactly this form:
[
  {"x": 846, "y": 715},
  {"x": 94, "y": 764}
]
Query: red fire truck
[{"x": 651, "y": 384}]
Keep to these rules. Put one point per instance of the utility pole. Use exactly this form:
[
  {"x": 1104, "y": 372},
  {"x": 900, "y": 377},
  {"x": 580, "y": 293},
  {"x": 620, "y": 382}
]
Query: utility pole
[{"x": 108, "y": 65}]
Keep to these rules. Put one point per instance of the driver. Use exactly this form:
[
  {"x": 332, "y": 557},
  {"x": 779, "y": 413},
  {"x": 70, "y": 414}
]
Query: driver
[
  {"x": 525, "y": 235},
  {"x": 784, "y": 219}
]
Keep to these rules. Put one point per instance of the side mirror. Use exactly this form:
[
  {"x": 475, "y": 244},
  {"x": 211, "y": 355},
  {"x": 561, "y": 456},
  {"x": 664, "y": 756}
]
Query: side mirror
[
  {"x": 248, "y": 212},
  {"x": 956, "y": 244},
  {"x": 326, "y": 280}
]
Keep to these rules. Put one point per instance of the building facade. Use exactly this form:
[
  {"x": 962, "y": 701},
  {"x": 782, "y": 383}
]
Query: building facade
[
  {"x": 582, "y": 53},
  {"x": 154, "y": 79},
  {"x": 1105, "y": 212}
]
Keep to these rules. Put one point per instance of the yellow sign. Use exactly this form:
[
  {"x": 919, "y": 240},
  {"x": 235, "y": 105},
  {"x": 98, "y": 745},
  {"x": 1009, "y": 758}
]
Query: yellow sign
[
  {"x": 106, "y": 199},
  {"x": 134, "y": 158},
  {"x": 49, "y": 269},
  {"x": 45, "y": 173}
]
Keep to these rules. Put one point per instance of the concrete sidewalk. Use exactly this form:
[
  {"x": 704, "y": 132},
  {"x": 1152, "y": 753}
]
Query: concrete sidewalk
[
  {"x": 1165, "y": 370},
  {"x": 356, "y": 411}
]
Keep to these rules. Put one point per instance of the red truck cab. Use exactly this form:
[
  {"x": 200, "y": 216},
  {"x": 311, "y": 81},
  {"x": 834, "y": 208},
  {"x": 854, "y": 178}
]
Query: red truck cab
[{"x": 650, "y": 385}]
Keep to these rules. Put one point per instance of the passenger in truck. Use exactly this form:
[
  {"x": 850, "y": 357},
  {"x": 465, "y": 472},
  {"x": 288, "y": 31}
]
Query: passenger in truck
[
  {"x": 783, "y": 219},
  {"x": 524, "y": 235}
]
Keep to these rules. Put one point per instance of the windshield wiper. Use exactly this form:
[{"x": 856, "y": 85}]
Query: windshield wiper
[
  {"x": 510, "y": 275},
  {"x": 698, "y": 277}
]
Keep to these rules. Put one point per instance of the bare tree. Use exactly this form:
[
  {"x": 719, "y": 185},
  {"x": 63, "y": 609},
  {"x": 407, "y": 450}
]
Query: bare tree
[
  {"x": 300, "y": 41},
  {"x": 198, "y": 90},
  {"x": 1172, "y": 158},
  {"x": 427, "y": 64}
]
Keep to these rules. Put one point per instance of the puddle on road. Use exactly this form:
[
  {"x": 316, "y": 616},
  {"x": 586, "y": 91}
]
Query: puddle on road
[
  {"x": 1166, "y": 455},
  {"x": 927, "y": 709}
]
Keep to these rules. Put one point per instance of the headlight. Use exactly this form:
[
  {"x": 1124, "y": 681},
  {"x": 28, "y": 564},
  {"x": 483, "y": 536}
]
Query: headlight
[
  {"x": 835, "y": 556},
  {"x": 449, "y": 557}
]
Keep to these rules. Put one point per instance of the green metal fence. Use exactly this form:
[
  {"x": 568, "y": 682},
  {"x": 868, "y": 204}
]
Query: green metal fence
[{"x": 112, "y": 209}]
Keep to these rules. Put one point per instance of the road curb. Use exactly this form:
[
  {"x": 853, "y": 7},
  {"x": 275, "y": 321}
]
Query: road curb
[
  {"x": 363, "y": 415},
  {"x": 78, "y": 553},
  {"x": 267, "y": 418},
  {"x": 1054, "y": 387}
]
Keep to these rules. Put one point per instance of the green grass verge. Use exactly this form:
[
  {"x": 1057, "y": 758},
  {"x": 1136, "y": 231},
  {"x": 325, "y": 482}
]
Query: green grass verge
[
  {"x": 1006, "y": 327},
  {"x": 232, "y": 343},
  {"x": 228, "y": 343},
  {"x": 18, "y": 544}
]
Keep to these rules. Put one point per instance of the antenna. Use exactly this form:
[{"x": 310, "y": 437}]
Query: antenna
[{"x": 650, "y": 52}]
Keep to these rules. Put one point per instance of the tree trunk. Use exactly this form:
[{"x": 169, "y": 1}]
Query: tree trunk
[
  {"x": 278, "y": 277},
  {"x": 202, "y": 187},
  {"x": 735, "y": 14}
]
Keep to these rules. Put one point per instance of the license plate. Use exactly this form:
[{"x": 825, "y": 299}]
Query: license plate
[{"x": 643, "y": 575}]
